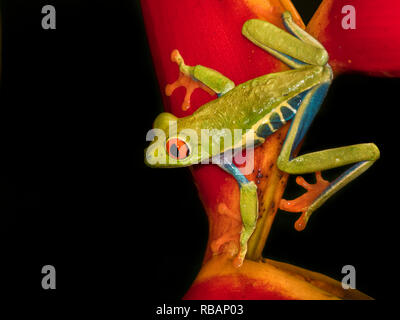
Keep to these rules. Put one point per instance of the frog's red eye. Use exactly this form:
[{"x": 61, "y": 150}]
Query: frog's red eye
[{"x": 177, "y": 148}]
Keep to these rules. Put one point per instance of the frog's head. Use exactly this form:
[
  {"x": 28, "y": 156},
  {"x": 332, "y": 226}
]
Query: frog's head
[{"x": 168, "y": 147}]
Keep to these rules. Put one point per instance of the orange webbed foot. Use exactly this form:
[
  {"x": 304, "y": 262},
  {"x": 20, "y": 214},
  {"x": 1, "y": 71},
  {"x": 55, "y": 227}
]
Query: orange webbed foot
[
  {"x": 185, "y": 80},
  {"x": 302, "y": 203}
]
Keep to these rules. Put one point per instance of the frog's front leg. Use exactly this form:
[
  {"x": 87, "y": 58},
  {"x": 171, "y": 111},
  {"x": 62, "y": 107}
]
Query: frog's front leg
[
  {"x": 193, "y": 77},
  {"x": 248, "y": 208},
  {"x": 362, "y": 155}
]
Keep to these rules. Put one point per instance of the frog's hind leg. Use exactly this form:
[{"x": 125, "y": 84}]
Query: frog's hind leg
[
  {"x": 361, "y": 155},
  {"x": 248, "y": 208},
  {"x": 296, "y": 48},
  {"x": 298, "y": 32}
]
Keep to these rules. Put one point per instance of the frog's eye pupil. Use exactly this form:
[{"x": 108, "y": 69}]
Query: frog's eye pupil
[
  {"x": 178, "y": 149},
  {"x": 174, "y": 151}
]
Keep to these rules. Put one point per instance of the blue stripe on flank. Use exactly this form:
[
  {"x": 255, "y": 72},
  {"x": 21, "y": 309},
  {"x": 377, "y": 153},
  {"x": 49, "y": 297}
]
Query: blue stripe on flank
[
  {"x": 296, "y": 101},
  {"x": 275, "y": 121},
  {"x": 287, "y": 113},
  {"x": 309, "y": 114},
  {"x": 264, "y": 131}
]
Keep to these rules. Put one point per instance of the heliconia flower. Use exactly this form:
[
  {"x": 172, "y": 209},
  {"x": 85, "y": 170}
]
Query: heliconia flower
[
  {"x": 360, "y": 35},
  {"x": 186, "y": 33}
]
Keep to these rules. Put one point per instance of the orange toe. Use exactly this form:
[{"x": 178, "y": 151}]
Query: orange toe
[{"x": 302, "y": 203}]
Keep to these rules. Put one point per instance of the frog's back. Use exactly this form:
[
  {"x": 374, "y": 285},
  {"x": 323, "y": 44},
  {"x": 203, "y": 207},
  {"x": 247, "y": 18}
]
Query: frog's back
[{"x": 252, "y": 101}]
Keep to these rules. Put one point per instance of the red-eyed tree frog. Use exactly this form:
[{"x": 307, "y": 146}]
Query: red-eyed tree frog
[{"x": 256, "y": 109}]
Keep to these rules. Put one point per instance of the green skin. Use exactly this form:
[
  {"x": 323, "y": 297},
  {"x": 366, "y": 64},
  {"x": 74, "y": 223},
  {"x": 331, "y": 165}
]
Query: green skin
[{"x": 249, "y": 106}]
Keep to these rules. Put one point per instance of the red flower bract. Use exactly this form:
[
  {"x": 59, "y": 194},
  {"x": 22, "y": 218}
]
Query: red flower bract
[{"x": 373, "y": 47}]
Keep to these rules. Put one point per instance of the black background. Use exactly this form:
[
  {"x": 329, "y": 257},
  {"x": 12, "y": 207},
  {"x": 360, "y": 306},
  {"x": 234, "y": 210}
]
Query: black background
[{"x": 76, "y": 103}]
